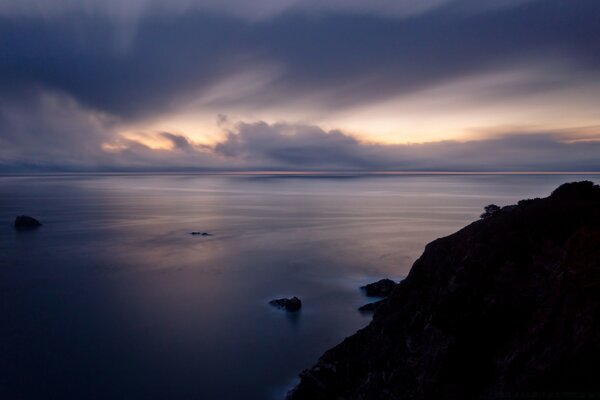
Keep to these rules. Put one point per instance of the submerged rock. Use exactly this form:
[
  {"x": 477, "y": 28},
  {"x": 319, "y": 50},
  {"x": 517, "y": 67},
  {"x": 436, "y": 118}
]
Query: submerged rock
[
  {"x": 507, "y": 306},
  {"x": 381, "y": 288},
  {"x": 293, "y": 304},
  {"x": 25, "y": 221}
]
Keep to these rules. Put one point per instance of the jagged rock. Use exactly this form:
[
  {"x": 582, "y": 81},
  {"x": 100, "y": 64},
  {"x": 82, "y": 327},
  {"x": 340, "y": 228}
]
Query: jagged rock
[
  {"x": 381, "y": 288},
  {"x": 24, "y": 221},
  {"x": 508, "y": 306},
  {"x": 293, "y": 304}
]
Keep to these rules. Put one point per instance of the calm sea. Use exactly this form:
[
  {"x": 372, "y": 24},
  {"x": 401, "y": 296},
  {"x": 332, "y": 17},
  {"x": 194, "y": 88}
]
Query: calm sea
[{"x": 113, "y": 298}]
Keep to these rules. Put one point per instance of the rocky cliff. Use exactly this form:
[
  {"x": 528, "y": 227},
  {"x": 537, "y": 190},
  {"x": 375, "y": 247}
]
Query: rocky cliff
[{"x": 507, "y": 307}]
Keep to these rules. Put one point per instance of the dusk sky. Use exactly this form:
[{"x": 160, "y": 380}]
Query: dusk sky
[{"x": 429, "y": 85}]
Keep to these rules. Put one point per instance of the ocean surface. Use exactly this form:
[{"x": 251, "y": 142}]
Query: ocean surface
[{"x": 114, "y": 299}]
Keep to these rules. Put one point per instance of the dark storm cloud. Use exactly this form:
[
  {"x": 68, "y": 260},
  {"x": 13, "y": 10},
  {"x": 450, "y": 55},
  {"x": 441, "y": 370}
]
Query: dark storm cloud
[
  {"x": 370, "y": 58},
  {"x": 89, "y": 58},
  {"x": 158, "y": 60}
]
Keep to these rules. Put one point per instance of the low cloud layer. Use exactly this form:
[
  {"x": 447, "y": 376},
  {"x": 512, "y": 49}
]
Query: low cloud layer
[
  {"x": 54, "y": 133},
  {"x": 305, "y": 147}
]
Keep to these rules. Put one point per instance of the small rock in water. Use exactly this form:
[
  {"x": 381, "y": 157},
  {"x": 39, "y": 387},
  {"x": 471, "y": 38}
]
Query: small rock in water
[
  {"x": 381, "y": 288},
  {"x": 293, "y": 304},
  {"x": 24, "y": 221},
  {"x": 200, "y": 233}
]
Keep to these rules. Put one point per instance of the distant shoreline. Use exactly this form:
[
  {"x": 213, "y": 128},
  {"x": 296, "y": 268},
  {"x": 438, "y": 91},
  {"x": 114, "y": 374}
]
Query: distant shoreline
[{"x": 299, "y": 173}]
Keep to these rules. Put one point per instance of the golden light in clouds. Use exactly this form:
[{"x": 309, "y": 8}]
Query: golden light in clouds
[
  {"x": 467, "y": 109},
  {"x": 151, "y": 139},
  {"x": 471, "y": 109}
]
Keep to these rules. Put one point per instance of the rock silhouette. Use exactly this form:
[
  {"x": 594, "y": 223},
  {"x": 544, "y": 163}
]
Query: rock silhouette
[
  {"x": 293, "y": 304},
  {"x": 25, "y": 221},
  {"x": 381, "y": 288}
]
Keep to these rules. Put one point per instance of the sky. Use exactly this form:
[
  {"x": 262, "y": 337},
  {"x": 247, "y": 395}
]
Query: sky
[{"x": 299, "y": 85}]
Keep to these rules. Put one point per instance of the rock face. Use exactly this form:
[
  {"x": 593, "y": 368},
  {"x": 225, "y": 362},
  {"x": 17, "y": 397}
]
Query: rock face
[
  {"x": 508, "y": 306},
  {"x": 381, "y": 288},
  {"x": 293, "y": 304},
  {"x": 24, "y": 221}
]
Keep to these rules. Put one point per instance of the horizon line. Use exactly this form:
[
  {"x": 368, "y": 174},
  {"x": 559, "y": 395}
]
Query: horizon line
[{"x": 299, "y": 172}]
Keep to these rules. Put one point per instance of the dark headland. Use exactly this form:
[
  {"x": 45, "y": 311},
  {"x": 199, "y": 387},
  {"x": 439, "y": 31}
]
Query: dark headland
[{"x": 507, "y": 307}]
